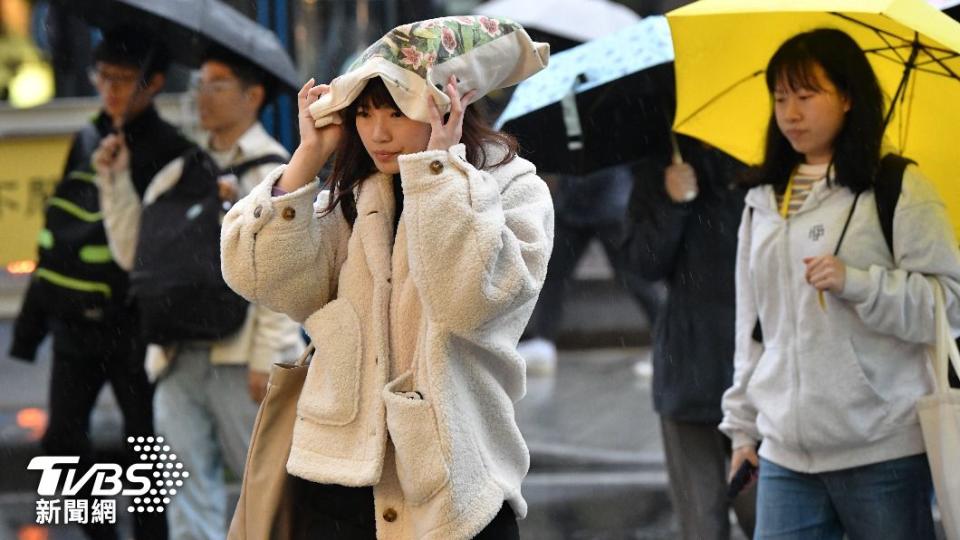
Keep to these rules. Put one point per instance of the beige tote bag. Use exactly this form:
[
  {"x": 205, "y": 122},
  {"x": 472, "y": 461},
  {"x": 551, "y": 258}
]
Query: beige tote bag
[
  {"x": 263, "y": 510},
  {"x": 940, "y": 419}
]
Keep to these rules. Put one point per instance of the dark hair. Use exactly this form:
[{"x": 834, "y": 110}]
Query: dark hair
[
  {"x": 353, "y": 164},
  {"x": 248, "y": 73},
  {"x": 856, "y": 155},
  {"x": 135, "y": 47}
]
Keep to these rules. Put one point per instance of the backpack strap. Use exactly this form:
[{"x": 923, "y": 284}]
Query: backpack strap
[
  {"x": 88, "y": 139},
  {"x": 241, "y": 168},
  {"x": 886, "y": 189}
]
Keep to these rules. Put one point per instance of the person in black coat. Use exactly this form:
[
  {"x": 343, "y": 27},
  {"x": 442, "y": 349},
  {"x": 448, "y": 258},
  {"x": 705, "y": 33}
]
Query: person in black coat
[
  {"x": 682, "y": 227},
  {"x": 78, "y": 293}
]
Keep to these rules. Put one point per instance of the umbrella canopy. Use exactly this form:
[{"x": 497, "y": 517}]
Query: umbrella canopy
[
  {"x": 578, "y": 20},
  {"x": 722, "y": 48},
  {"x": 605, "y": 102},
  {"x": 187, "y": 27}
]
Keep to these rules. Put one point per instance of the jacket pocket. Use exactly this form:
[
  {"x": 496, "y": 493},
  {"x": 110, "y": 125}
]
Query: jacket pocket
[
  {"x": 331, "y": 393},
  {"x": 845, "y": 409},
  {"x": 412, "y": 423},
  {"x": 769, "y": 390}
]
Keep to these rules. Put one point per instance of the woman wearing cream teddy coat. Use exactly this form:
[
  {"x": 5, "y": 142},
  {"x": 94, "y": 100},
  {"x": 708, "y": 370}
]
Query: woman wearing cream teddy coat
[{"x": 414, "y": 276}]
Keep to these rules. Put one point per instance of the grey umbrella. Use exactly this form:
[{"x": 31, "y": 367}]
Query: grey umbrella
[{"x": 187, "y": 27}]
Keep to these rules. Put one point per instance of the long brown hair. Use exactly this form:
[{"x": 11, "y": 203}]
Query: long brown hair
[{"x": 353, "y": 164}]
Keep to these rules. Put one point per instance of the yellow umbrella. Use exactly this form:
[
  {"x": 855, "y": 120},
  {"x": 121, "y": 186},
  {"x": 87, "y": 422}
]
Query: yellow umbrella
[{"x": 722, "y": 47}]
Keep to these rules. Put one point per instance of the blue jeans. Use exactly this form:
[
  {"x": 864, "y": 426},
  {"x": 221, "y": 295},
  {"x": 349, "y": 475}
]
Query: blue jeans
[
  {"x": 889, "y": 500},
  {"x": 206, "y": 416}
]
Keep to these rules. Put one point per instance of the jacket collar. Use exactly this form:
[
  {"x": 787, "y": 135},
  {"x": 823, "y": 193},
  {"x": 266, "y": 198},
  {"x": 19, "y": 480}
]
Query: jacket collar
[
  {"x": 375, "y": 210},
  {"x": 763, "y": 199},
  {"x": 134, "y": 127},
  {"x": 254, "y": 142}
]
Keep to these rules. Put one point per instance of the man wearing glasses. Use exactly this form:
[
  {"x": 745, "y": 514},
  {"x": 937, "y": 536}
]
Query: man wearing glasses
[
  {"x": 78, "y": 292},
  {"x": 208, "y": 391}
]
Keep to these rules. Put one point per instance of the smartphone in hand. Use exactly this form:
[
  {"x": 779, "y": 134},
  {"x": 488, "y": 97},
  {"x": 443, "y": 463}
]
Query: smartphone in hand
[{"x": 745, "y": 473}]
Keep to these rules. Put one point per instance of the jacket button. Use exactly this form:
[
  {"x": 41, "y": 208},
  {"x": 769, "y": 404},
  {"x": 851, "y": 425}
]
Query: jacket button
[
  {"x": 436, "y": 167},
  {"x": 257, "y": 211},
  {"x": 390, "y": 515},
  {"x": 289, "y": 213}
]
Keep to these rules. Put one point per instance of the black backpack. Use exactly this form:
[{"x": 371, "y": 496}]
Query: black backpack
[
  {"x": 76, "y": 277},
  {"x": 176, "y": 281},
  {"x": 887, "y": 194}
]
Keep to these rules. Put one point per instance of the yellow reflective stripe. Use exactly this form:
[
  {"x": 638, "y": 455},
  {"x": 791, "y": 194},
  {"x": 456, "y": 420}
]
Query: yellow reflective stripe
[
  {"x": 74, "y": 210},
  {"x": 80, "y": 175},
  {"x": 73, "y": 283},
  {"x": 45, "y": 239},
  {"x": 95, "y": 254}
]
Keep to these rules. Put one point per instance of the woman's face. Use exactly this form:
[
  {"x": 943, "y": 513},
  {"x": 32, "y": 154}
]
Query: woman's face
[
  {"x": 386, "y": 133},
  {"x": 811, "y": 118}
]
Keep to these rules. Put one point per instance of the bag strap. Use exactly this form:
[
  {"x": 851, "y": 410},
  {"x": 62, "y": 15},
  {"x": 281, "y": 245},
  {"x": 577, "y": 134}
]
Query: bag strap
[
  {"x": 886, "y": 190},
  {"x": 306, "y": 355},
  {"x": 241, "y": 168},
  {"x": 945, "y": 351},
  {"x": 846, "y": 225}
]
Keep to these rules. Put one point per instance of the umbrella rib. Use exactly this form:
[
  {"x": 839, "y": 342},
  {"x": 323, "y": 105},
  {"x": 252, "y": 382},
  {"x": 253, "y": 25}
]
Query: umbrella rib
[
  {"x": 950, "y": 73},
  {"x": 725, "y": 91},
  {"x": 947, "y": 72},
  {"x": 879, "y": 31}
]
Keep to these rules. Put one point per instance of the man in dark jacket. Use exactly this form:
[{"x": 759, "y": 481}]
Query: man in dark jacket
[
  {"x": 683, "y": 228},
  {"x": 78, "y": 293}
]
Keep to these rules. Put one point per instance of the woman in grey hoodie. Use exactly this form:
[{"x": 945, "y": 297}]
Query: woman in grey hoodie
[{"x": 845, "y": 323}]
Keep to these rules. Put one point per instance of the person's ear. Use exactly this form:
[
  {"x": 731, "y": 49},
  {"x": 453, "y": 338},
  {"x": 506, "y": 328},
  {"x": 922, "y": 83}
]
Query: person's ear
[
  {"x": 256, "y": 95},
  {"x": 845, "y": 100},
  {"x": 155, "y": 84}
]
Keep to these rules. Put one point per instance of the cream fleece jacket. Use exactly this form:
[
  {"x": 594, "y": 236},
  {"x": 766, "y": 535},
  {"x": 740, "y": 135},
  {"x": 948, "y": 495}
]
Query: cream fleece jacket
[
  {"x": 836, "y": 388},
  {"x": 416, "y": 372}
]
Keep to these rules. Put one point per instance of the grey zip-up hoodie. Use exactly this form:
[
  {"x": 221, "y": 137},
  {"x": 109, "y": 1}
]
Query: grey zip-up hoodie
[{"x": 835, "y": 387}]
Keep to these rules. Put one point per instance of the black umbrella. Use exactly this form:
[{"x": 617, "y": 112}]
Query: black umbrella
[
  {"x": 607, "y": 102},
  {"x": 188, "y": 27},
  {"x": 621, "y": 122}
]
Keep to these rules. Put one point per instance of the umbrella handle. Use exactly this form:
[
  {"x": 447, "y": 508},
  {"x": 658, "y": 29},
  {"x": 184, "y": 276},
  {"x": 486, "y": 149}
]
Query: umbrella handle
[
  {"x": 676, "y": 156},
  {"x": 677, "y": 159}
]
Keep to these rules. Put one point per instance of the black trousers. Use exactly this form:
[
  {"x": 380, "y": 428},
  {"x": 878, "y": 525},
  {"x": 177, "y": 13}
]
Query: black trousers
[
  {"x": 75, "y": 382},
  {"x": 331, "y": 512}
]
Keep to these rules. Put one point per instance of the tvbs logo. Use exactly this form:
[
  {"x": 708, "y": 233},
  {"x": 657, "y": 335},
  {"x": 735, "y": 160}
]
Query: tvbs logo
[
  {"x": 151, "y": 482},
  {"x": 107, "y": 478}
]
